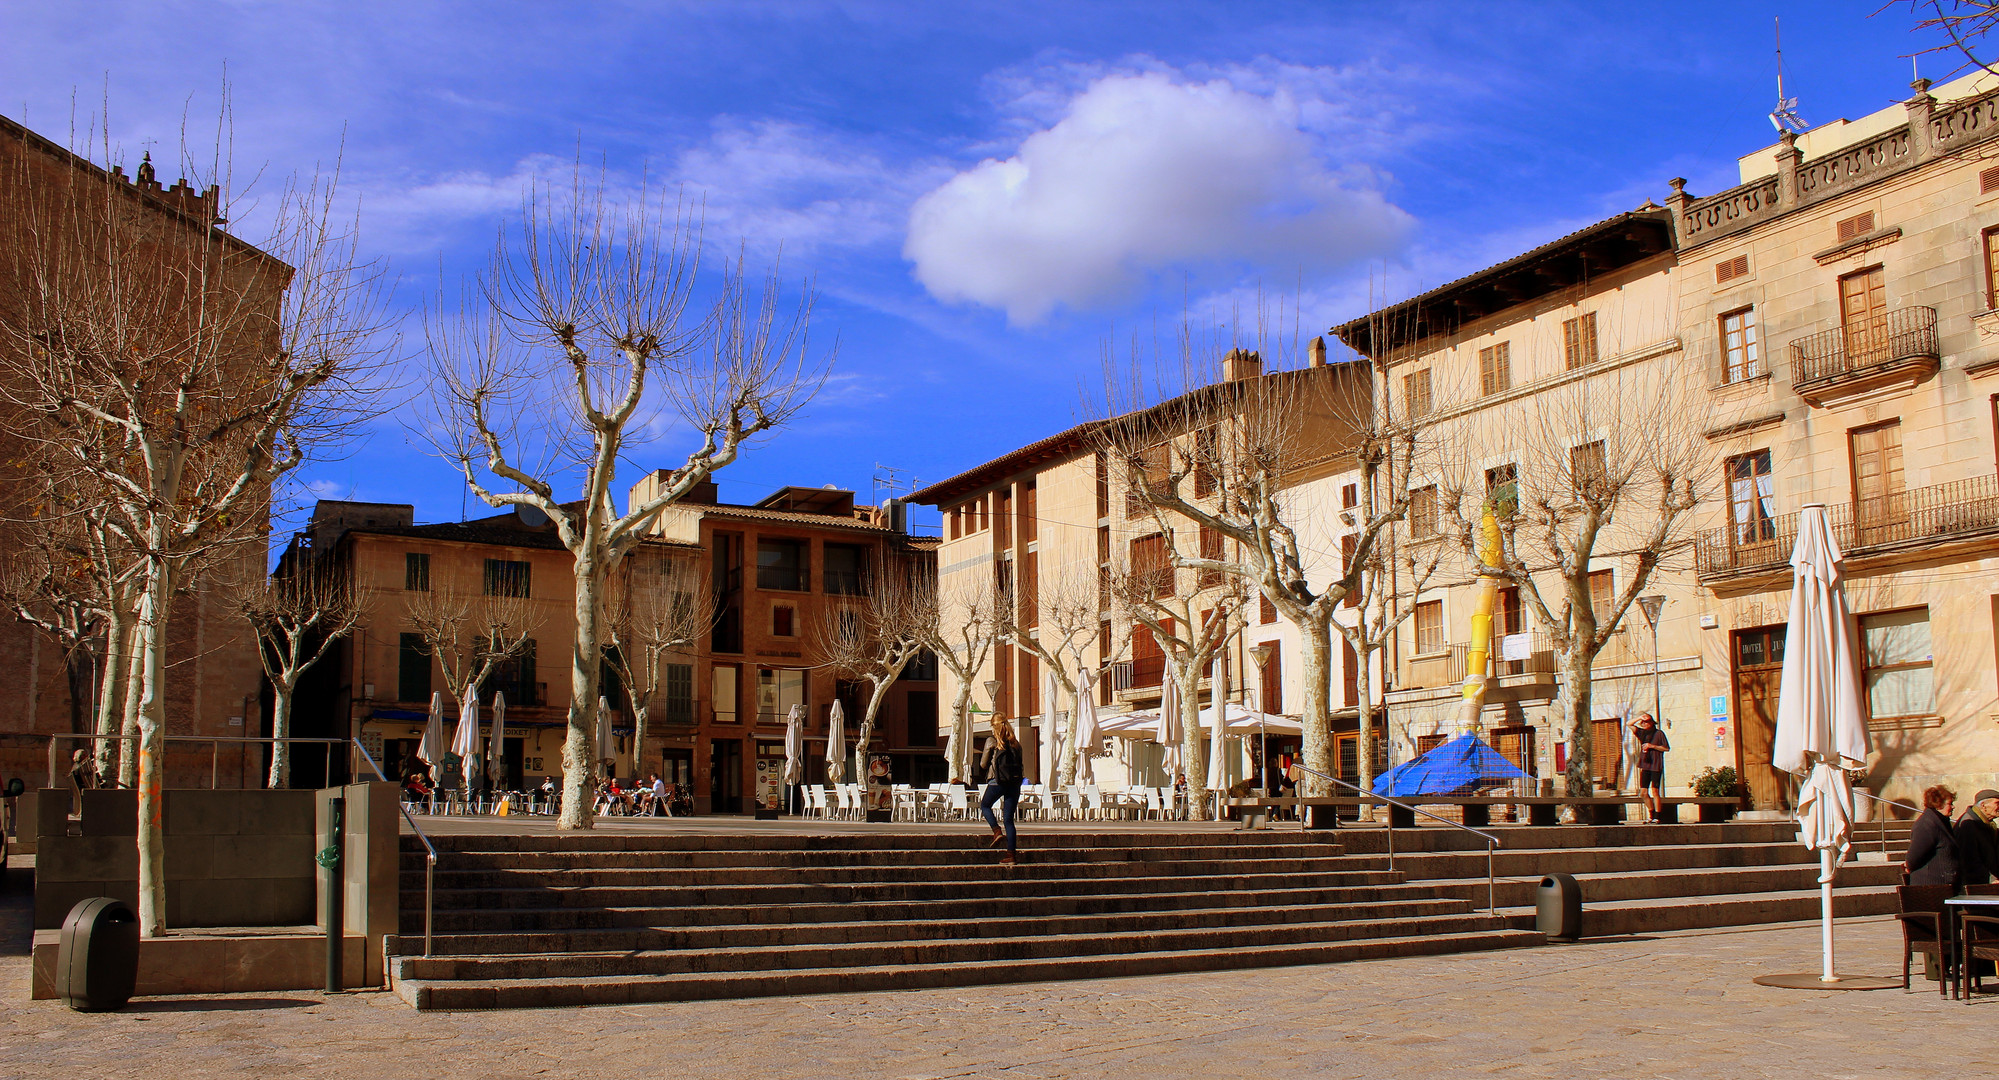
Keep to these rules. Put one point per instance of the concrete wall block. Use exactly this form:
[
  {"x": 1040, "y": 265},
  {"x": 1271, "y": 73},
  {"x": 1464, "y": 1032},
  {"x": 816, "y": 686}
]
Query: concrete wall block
[
  {"x": 190, "y": 857},
  {"x": 87, "y": 858},
  {"x": 52, "y": 811},
  {"x": 110, "y": 812},
  {"x": 220, "y": 902},
  {"x": 262, "y": 857},
  {"x": 201, "y": 813},
  {"x": 53, "y": 899},
  {"x": 280, "y": 813}
]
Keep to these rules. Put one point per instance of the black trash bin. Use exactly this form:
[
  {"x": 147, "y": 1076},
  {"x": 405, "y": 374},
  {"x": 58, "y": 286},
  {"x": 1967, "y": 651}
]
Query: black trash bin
[
  {"x": 1558, "y": 907},
  {"x": 97, "y": 958}
]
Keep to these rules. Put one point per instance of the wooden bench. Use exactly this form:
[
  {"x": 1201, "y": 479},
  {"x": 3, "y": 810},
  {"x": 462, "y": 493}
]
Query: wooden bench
[{"x": 1541, "y": 809}]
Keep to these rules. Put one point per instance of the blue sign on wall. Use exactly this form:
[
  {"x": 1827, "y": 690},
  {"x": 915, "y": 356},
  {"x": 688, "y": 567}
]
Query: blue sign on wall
[{"x": 1718, "y": 705}]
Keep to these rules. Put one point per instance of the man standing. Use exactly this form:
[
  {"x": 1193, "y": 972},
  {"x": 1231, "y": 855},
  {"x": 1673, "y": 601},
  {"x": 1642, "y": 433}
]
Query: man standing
[
  {"x": 1652, "y": 747},
  {"x": 1978, "y": 839}
]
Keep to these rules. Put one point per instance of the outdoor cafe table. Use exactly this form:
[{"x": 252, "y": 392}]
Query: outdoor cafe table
[{"x": 1960, "y": 906}]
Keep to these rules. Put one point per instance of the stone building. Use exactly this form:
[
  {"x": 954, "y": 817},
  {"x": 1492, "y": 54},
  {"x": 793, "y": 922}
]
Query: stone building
[
  {"x": 214, "y": 675},
  {"x": 715, "y": 723}
]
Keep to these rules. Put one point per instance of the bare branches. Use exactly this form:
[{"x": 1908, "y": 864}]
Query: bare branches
[
  {"x": 656, "y": 607},
  {"x": 471, "y": 636},
  {"x": 1963, "y": 24},
  {"x": 297, "y": 617}
]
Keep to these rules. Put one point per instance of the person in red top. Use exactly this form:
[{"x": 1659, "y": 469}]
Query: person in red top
[{"x": 1652, "y": 747}]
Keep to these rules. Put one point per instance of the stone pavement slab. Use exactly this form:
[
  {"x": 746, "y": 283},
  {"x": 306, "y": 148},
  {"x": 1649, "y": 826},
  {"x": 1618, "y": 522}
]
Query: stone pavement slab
[{"x": 1676, "y": 1005}]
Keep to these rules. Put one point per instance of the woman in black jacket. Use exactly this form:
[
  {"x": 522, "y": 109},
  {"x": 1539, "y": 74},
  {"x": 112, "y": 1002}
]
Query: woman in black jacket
[
  {"x": 1003, "y": 769},
  {"x": 1932, "y": 858}
]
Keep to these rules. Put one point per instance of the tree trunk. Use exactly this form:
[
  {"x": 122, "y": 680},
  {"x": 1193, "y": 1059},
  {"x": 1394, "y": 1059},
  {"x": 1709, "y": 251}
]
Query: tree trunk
[
  {"x": 281, "y": 729},
  {"x": 78, "y": 671},
  {"x": 1193, "y": 763},
  {"x": 867, "y": 729},
  {"x": 111, "y": 687},
  {"x": 153, "y": 606},
  {"x": 135, "y": 684},
  {"x": 1576, "y": 694},
  {"x": 1317, "y": 716},
  {"x": 579, "y": 750},
  {"x": 1065, "y": 768},
  {"x": 1364, "y": 738}
]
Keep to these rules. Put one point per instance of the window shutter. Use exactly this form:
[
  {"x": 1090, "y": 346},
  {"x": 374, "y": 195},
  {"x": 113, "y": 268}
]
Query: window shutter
[
  {"x": 1857, "y": 225},
  {"x": 1730, "y": 269},
  {"x": 1988, "y": 181}
]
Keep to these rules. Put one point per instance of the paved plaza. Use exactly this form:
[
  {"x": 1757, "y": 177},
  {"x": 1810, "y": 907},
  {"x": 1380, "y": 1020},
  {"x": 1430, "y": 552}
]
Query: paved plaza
[{"x": 1672, "y": 1005}]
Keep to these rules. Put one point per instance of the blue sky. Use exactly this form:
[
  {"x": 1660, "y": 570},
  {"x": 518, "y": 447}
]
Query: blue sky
[{"x": 987, "y": 195}]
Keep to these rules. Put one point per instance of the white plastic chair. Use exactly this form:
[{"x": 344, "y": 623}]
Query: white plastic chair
[
  {"x": 1155, "y": 804},
  {"x": 1089, "y": 798},
  {"x": 957, "y": 801}
]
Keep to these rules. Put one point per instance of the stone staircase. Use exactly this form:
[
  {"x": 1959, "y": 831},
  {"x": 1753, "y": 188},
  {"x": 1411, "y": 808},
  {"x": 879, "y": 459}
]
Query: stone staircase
[{"x": 577, "y": 919}]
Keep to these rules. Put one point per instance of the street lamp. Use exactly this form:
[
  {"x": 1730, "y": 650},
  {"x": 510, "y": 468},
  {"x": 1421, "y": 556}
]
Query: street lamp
[
  {"x": 1651, "y": 605},
  {"x": 1261, "y": 654}
]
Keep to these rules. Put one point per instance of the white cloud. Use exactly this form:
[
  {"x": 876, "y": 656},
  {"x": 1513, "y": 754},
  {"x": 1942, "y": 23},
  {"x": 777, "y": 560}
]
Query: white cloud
[{"x": 1149, "y": 172}]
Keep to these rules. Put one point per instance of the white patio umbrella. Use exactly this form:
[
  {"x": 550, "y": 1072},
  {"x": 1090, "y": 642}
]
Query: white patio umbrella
[
  {"x": 465, "y": 739},
  {"x": 1168, "y": 731},
  {"x": 1085, "y": 732},
  {"x": 607, "y": 740},
  {"x": 794, "y": 746},
  {"x": 432, "y": 745},
  {"x": 496, "y": 753},
  {"x": 1215, "y": 723},
  {"x": 836, "y": 744},
  {"x": 1044, "y": 746},
  {"x": 1820, "y": 730}
]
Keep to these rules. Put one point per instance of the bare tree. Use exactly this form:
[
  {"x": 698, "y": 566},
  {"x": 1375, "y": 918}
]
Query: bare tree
[
  {"x": 297, "y": 616},
  {"x": 584, "y": 329},
  {"x": 49, "y": 584},
  {"x": 656, "y": 608},
  {"x": 1963, "y": 24},
  {"x": 961, "y": 631},
  {"x": 1610, "y": 474},
  {"x": 1057, "y": 625},
  {"x": 470, "y": 637},
  {"x": 875, "y": 636},
  {"x": 180, "y": 370}
]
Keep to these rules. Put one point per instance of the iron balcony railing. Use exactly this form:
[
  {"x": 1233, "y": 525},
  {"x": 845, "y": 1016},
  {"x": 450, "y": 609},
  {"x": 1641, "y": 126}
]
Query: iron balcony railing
[
  {"x": 1942, "y": 510},
  {"x": 1902, "y": 334},
  {"x": 1449, "y": 667}
]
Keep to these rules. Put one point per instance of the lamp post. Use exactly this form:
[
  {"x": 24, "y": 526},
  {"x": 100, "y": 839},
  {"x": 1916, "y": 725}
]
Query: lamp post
[
  {"x": 1652, "y": 605},
  {"x": 1261, "y": 654}
]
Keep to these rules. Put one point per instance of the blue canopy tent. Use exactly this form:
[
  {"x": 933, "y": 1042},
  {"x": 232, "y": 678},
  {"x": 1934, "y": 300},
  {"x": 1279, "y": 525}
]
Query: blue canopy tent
[{"x": 1459, "y": 767}]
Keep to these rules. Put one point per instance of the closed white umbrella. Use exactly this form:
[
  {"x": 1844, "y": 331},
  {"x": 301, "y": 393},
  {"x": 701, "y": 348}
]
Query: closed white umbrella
[
  {"x": 1168, "y": 731},
  {"x": 432, "y": 746},
  {"x": 465, "y": 738},
  {"x": 1820, "y": 729},
  {"x": 1044, "y": 763},
  {"x": 496, "y": 753},
  {"x": 1085, "y": 731},
  {"x": 836, "y": 744},
  {"x": 1214, "y": 722},
  {"x": 794, "y": 746},
  {"x": 607, "y": 742}
]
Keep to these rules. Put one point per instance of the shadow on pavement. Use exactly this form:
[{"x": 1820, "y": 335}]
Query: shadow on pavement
[{"x": 220, "y": 1004}]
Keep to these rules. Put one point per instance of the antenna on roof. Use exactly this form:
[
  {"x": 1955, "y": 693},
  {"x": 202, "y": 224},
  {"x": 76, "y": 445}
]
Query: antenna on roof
[{"x": 1785, "y": 116}]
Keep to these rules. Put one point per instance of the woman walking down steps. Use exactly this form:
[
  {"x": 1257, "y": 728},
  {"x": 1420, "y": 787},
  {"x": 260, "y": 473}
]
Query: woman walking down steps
[{"x": 1003, "y": 769}]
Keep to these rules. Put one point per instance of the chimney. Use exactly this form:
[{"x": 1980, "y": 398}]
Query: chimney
[
  {"x": 1241, "y": 364},
  {"x": 1317, "y": 350}
]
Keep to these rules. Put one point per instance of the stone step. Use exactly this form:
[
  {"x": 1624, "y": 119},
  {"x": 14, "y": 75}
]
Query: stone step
[
  {"x": 980, "y": 867},
  {"x": 948, "y": 950},
  {"x": 874, "y": 928},
  {"x": 865, "y": 838},
  {"x": 627, "y": 989},
  {"x": 1519, "y": 863},
  {"x": 970, "y": 909},
  {"x": 413, "y": 862},
  {"x": 1700, "y": 884},
  {"x": 1657, "y": 915}
]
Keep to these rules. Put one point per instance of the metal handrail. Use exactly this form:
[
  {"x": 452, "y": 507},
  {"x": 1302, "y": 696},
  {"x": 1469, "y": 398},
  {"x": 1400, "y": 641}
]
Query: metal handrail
[
  {"x": 1882, "y": 821},
  {"x": 430, "y": 864},
  {"x": 1491, "y": 841},
  {"x": 215, "y": 742}
]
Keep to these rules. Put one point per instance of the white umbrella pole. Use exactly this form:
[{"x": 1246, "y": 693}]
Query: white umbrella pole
[{"x": 1825, "y": 911}]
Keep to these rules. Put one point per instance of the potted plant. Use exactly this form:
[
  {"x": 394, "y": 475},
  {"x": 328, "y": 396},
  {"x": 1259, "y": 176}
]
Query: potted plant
[{"x": 1717, "y": 782}]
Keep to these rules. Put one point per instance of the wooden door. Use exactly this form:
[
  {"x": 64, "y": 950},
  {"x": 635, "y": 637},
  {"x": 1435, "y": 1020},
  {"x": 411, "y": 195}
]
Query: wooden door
[
  {"x": 1516, "y": 744},
  {"x": 1606, "y": 752},
  {"x": 1759, "y": 671},
  {"x": 1863, "y": 312},
  {"x": 1878, "y": 503}
]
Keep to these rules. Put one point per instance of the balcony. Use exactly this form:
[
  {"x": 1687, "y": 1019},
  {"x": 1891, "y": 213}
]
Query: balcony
[
  {"x": 1869, "y": 526},
  {"x": 1448, "y": 668},
  {"x": 1896, "y": 349}
]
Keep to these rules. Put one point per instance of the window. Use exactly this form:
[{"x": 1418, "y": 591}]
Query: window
[
  {"x": 680, "y": 693},
  {"x": 1495, "y": 369},
  {"x": 1587, "y": 470},
  {"x": 778, "y": 689},
  {"x": 1349, "y": 544},
  {"x": 922, "y": 710},
  {"x": 1579, "y": 341},
  {"x": 1030, "y": 515},
  {"x": 781, "y": 566},
  {"x": 1266, "y": 612},
  {"x": 1349, "y": 496},
  {"x": 1206, "y": 442},
  {"x": 1602, "y": 594},
  {"x": 1416, "y": 393},
  {"x": 1502, "y": 488},
  {"x": 412, "y": 668},
  {"x": 1148, "y": 657},
  {"x": 1988, "y": 181},
  {"x": 1863, "y": 313},
  {"x": 506, "y": 578},
  {"x": 1878, "y": 504},
  {"x": 725, "y": 692},
  {"x": 1751, "y": 507},
  {"x": 1003, "y": 518},
  {"x": 1430, "y": 627},
  {"x": 1857, "y": 225},
  {"x": 1992, "y": 268},
  {"x": 1423, "y": 511},
  {"x": 1896, "y": 665},
  {"x": 416, "y": 571},
  {"x": 957, "y": 521},
  {"x": 515, "y": 677},
  {"x": 1151, "y": 574},
  {"x": 1211, "y": 548},
  {"x": 1146, "y": 472},
  {"x": 1270, "y": 680},
  {"x": 845, "y": 569},
  {"x": 1103, "y": 485},
  {"x": 782, "y": 621},
  {"x": 1738, "y": 346},
  {"x": 1728, "y": 270}
]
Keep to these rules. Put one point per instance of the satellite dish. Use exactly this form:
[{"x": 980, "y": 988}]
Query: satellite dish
[{"x": 530, "y": 516}]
